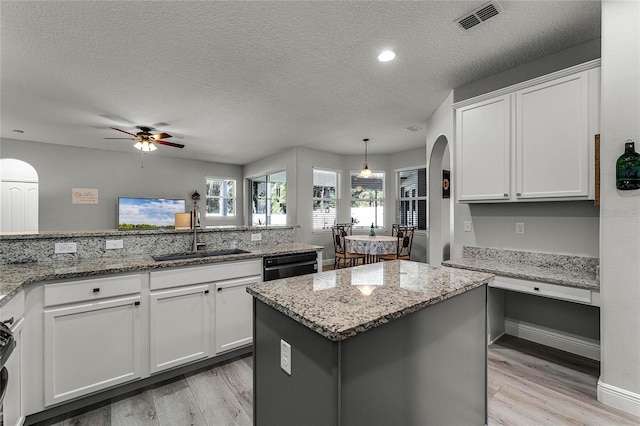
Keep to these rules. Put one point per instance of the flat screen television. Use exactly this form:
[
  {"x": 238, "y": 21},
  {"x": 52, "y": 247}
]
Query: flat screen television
[{"x": 148, "y": 213}]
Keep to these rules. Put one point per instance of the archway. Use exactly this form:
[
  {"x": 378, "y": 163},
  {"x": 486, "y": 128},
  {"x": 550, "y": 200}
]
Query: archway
[
  {"x": 18, "y": 196},
  {"x": 440, "y": 209}
]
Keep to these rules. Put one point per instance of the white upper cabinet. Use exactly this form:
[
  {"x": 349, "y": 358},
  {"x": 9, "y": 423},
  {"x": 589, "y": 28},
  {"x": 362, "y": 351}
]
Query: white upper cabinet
[
  {"x": 483, "y": 159},
  {"x": 530, "y": 142}
]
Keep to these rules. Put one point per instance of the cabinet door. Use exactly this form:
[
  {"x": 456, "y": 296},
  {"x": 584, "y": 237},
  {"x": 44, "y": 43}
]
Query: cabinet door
[
  {"x": 234, "y": 313},
  {"x": 12, "y": 412},
  {"x": 483, "y": 138},
  {"x": 90, "y": 347},
  {"x": 552, "y": 141},
  {"x": 179, "y": 326}
]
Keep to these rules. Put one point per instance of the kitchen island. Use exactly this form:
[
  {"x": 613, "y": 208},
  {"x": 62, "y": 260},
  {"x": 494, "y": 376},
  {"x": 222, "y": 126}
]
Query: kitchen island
[{"x": 396, "y": 342}]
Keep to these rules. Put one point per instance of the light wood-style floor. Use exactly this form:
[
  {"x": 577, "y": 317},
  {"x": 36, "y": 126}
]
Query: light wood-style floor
[{"x": 529, "y": 384}]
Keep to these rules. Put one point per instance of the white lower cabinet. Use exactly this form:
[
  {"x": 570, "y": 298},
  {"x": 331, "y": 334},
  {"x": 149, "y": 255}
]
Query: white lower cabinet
[
  {"x": 234, "y": 313},
  {"x": 179, "y": 326},
  {"x": 200, "y": 311},
  {"x": 95, "y": 342}
]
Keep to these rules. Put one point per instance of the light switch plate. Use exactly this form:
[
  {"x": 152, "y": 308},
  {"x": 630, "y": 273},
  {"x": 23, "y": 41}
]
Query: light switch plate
[
  {"x": 65, "y": 248},
  {"x": 285, "y": 356},
  {"x": 256, "y": 237},
  {"x": 467, "y": 226},
  {"x": 519, "y": 227}
]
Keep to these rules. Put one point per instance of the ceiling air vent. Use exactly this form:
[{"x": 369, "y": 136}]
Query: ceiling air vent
[{"x": 478, "y": 16}]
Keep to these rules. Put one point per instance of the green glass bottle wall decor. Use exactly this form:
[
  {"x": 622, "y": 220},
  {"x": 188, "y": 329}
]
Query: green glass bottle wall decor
[
  {"x": 372, "y": 231},
  {"x": 628, "y": 168}
]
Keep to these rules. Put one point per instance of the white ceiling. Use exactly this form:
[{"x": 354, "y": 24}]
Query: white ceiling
[{"x": 237, "y": 81}]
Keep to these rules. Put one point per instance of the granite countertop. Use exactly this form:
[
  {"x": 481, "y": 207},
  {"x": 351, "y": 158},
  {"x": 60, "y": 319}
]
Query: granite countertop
[
  {"x": 342, "y": 303},
  {"x": 566, "y": 270},
  {"x": 14, "y": 276},
  {"x": 127, "y": 232}
]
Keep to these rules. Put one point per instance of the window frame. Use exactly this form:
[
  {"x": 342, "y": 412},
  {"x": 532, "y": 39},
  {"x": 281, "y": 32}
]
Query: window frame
[
  {"x": 268, "y": 198},
  {"x": 383, "y": 200},
  {"x": 338, "y": 174},
  {"x": 399, "y": 198},
  {"x": 221, "y": 197}
]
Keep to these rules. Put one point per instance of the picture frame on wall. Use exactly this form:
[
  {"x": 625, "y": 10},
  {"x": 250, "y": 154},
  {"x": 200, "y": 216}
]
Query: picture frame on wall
[{"x": 446, "y": 184}]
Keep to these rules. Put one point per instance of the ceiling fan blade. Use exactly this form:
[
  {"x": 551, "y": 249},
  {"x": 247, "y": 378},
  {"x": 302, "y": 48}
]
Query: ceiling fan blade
[
  {"x": 124, "y": 139},
  {"x": 162, "y": 136},
  {"x": 175, "y": 145},
  {"x": 124, "y": 132}
]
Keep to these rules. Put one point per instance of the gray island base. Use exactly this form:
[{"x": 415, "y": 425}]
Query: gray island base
[{"x": 393, "y": 343}]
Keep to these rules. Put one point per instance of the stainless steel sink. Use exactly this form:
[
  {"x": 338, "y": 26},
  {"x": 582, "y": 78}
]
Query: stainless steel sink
[{"x": 195, "y": 255}]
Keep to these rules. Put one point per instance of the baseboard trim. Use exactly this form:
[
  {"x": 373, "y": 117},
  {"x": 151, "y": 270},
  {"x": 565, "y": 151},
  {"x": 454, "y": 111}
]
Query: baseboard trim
[
  {"x": 495, "y": 339},
  {"x": 571, "y": 343},
  {"x": 619, "y": 398}
]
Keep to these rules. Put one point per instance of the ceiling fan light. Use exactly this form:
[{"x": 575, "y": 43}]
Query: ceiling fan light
[{"x": 145, "y": 146}]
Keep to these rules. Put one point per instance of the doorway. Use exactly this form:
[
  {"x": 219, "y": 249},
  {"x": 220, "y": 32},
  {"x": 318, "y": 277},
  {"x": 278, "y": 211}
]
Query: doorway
[
  {"x": 18, "y": 196},
  {"x": 440, "y": 208}
]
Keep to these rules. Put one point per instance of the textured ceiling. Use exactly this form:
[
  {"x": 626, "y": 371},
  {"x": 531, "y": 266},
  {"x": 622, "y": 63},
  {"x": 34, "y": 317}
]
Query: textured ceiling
[{"x": 237, "y": 81}]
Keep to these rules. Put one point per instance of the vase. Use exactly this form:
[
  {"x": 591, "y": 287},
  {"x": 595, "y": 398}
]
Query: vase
[{"x": 628, "y": 168}]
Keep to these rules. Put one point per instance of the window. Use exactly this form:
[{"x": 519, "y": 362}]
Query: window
[
  {"x": 269, "y": 199},
  {"x": 221, "y": 197},
  {"x": 325, "y": 198},
  {"x": 412, "y": 198},
  {"x": 367, "y": 200}
]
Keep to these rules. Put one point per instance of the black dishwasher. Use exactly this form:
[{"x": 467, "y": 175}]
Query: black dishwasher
[{"x": 289, "y": 265}]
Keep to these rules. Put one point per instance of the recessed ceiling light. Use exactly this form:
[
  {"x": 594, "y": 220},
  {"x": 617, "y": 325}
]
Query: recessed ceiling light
[{"x": 386, "y": 56}]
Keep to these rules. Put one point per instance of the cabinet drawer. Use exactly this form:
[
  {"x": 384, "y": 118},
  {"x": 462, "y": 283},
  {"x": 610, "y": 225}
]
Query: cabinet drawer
[
  {"x": 572, "y": 294},
  {"x": 203, "y": 274},
  {"x": 92, "y": 289},
  {"x": 13, "y": 311}
]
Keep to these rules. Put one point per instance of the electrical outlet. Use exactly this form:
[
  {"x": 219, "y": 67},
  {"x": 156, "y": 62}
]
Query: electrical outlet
[
  {"x": 519, "y": 227},
  {"x": 467, "y": 226},
  {"x": 285, "y": 356},
  {"x": 114, "y": 244},
  {"x": 65, "y": 248},
  {"x": 256, "y": 237}
]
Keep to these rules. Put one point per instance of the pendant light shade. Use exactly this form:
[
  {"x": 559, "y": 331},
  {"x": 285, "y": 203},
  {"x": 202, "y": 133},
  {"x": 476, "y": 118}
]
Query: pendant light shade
[{"x": 365, "y": 172}]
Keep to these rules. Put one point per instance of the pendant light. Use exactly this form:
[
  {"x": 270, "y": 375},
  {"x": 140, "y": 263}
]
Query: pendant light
[{"x": 365, "y": 172}]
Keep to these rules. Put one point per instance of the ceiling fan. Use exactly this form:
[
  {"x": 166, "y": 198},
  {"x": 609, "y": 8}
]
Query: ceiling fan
[{"x": 146, "y": 140}]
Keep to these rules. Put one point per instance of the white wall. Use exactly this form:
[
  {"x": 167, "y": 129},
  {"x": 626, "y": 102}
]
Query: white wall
[
  {"x": 620, "y": 219},
  {"x": 114, "y": 174}
]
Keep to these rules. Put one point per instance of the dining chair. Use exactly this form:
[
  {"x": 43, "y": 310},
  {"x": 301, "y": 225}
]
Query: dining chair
[
  {"x": 348, "y": 227},
  {"x": 339, "y": 232},
  {"x": 404, "y": 242}
]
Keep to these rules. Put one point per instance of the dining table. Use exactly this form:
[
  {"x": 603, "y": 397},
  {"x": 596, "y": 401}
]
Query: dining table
[{"x": 371, "y": 246}]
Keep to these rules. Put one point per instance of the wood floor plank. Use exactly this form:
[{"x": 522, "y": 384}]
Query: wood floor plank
[
  {"x": 216, "y": 400},
  {"x": 138, "y": 409},
  {"x": 98, "y": 417},
  {"x": 239, "y": 378},
  {"x": 176, "y": 405}
]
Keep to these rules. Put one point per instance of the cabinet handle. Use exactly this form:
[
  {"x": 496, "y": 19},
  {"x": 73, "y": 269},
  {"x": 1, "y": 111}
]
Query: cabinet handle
[
  {"x": 9, "y": 321},
  {"x": 506, "y": 195},
  {"x": 206, "y": 292},
  {"x": 518, "y": 193},
  {"x": 219, "y": 288},
  {"x": 96, "y": 290},
  {"x": 136, "y": 303},
  {"x": 536, "y": 288}
]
